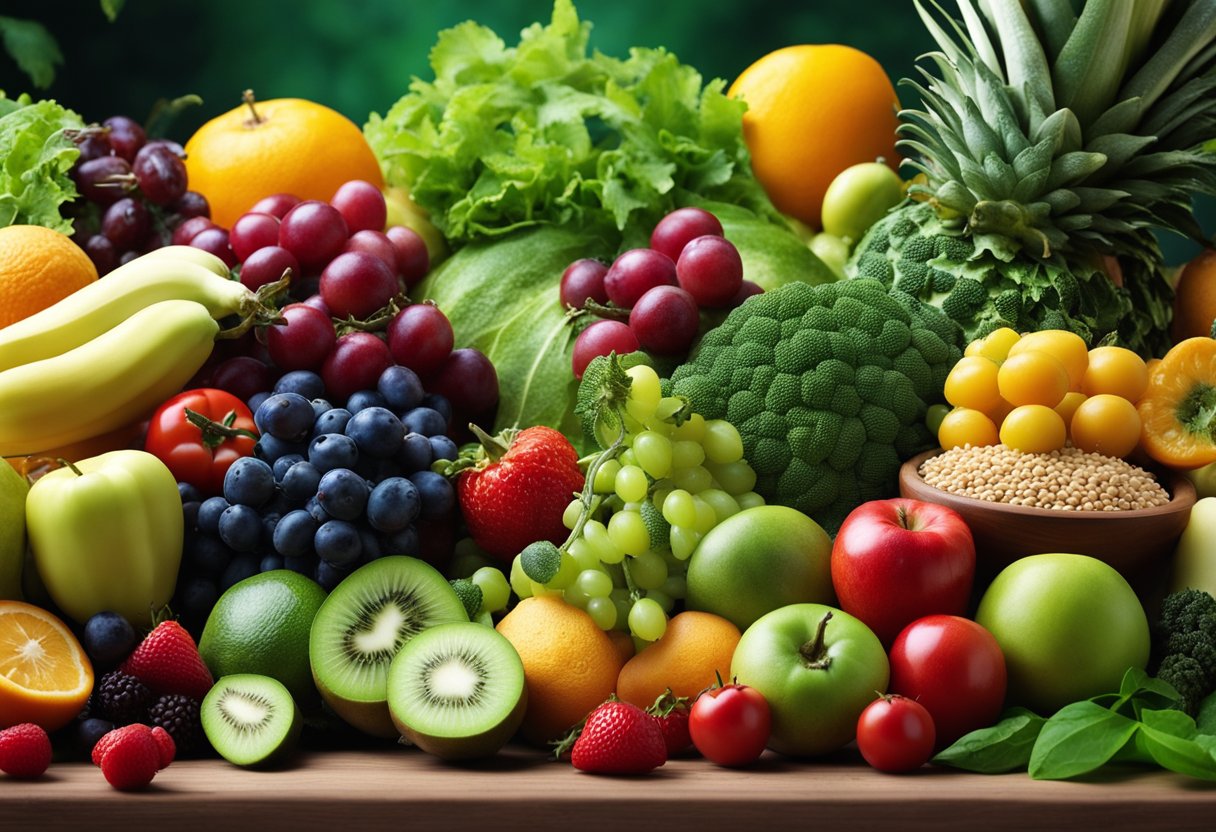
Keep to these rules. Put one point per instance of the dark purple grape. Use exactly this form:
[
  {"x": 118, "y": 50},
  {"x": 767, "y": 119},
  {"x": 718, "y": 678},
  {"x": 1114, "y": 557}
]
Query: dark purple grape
[
  {"x": 126, "y": 136},
  {"x": 277, "y": 205},
  {"x": 468, "y": 380},
  {"x": 361, "y": 205},
  {"x": 601, "y": 338},
  {"x": 675, "y": 230},
  {"x": 104, "y": 180},
  {"x": 215, "y": 240},
  {"x": 636, "y": 272},
  {"x": 161, "y": 174},
  {"x": 710, "y": 270},
  {"x": 746, "y": 290},
  {"x": 356, "y": 284},
  {"x": 420, "y": 337},
  {"x": 172, "y": 146},
  {"x": 126, "y": 223},
  {"x": 267, "y": 265},
  {"x": 413, "y": 258},
  {"x": 374, "y": 243},
  {"x": 127, "y": 256},
  {"x": 665, "y": 320},
  {"x": 102, "y": 252},
  {"x": 251, "y": 232},
  {"x": 191, "y": 204},
  {"x": 314, "y": 232},
  {"x": 583, "y": 280},
  {"x": 184, "y": 233},
  {"x": 92, "y": 143}
]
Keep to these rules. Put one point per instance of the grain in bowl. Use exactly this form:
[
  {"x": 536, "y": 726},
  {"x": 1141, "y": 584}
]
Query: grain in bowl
[{"x": 1064, "y": 480}]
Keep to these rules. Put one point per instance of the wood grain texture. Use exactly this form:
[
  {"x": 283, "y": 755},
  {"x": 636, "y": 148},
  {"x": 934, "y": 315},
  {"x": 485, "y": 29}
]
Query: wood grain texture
[{"x": 404, "y": 789}]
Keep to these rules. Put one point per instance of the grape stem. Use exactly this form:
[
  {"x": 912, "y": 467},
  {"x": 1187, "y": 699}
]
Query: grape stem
[{"x": 589, "y": 499}]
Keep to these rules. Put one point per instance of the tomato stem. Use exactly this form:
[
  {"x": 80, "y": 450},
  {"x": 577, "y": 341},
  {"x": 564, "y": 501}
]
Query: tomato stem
[
  {"x": 215, "y": 433},
  {"x": 815, "y": 652}
]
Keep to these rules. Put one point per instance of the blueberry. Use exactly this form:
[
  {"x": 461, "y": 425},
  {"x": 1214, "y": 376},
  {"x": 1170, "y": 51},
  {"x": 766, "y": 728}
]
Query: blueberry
[
  {"x": 190, "y": 515},
  {"x": 269, "y": 521},
  {"x": 424, "y": 420},
  {"x": 304, "y": 382},
  {"x": 320, "y": 407},
  {"x": 440, "y": 403},
  {"x": 416, "y": 453},
  {"x": 438, "y": 496},
  {"x": 286, "y": 416},
  {"x": 337, "y": 543},
  {"x": 89, "y": 731},
  {"x": 444, "y": 448},
  {"x": 249, "y": 481},
  {"x": 377, "y": 432},
  {"x": 393, "y": 505},
  {"x": 189, "y": 493},
  {"x": 331, "y": 421},
  {"x": 401, "y": 388},
  {"x": 108, "y": 638},
  {"x": 342, "y": 493},
  {"x": 271, "y": 448},
  {"x": 333, "y": 450},
  {"x": 241, "y": 528},
  {"x": 369, "y": 546},
  {"x": 293, "y": 534},
  {"x": 208, "y": 554},
  {"x": 329, "y": 576},
  {"x": 313, "y": 507},
  {"x": 404, "y": 542},
  {"x": 255, "y": 401},
  {"x": 363, "y": 399},
  {"x": 300, "y": 481},
  {"x": 209, "y": 512},
  {"x": 304, "y": 564},
  {"x": 197, "y": 596},
  {"x": 269, "y": 563},
  {"x": 246, "y": 566},
  {"x": 284, "y": 462}
]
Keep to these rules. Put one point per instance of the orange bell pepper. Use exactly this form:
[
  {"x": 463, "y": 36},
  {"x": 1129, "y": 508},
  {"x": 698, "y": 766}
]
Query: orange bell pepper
[{"x": 1178, "y": 410}]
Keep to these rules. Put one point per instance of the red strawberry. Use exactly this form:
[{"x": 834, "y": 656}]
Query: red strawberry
[
  {"x": 129, "y": 758},
  {"x": 167, "y": 661},
  {"x": 619, "y": 738},
  {"x": 671, "y": 713},
  {"x": 25, "y": 750},
  {"x": 516, "y": 494}
]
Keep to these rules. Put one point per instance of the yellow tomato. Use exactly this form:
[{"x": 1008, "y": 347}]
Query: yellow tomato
[
  {"x": 1117, "y": 371},
  {"x": 1072, "y": 400},
  {"x": 972, "y": 383},
  {"x": 1106, "y": 424},
  {"x": 964, "y": 426},
  {"x": 1033, "y": 429},
  {"x": 997, "y": 344},
  {"x": 1032, "y": 377},
  {"x": 1066, "y": 347}
]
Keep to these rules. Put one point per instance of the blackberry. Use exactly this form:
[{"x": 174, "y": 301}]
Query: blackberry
[
  {"x": 121, "y": 698},
  {"x": 178, "y": 714}
]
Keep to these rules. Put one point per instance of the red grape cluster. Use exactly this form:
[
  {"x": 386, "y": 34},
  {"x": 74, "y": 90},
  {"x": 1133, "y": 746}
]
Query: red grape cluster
[
  {"x": 134, "y": 191},
  {"x": 689, "y": 266},
  {"x": 347, "y": 320}
]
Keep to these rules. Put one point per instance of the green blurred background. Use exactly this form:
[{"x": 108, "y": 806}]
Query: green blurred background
[{"x": 358, "y": 56}]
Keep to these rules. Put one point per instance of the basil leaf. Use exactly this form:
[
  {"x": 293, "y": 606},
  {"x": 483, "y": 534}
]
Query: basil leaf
[
  {"x": 1079, "y": 738},
  {"x": 1133, "y": 680},
  {"x": 1000, "y": 748},
  {"x": 1168, "y": 738},
  {"x": 1205, "y": 721}
]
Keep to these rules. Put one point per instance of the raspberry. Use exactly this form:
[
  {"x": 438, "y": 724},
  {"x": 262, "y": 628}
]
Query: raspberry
[
  {"x": 179, "y": 715},
  {"x": 168, "y": 748},
  {"x": 25, "y": 750},
  {"x": 122, "y": 698},
  {"x": 130, "y": 757}
]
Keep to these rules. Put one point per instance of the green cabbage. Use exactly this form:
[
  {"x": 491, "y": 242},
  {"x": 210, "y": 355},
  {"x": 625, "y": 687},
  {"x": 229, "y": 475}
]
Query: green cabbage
[{"x": 36, "y": 154}]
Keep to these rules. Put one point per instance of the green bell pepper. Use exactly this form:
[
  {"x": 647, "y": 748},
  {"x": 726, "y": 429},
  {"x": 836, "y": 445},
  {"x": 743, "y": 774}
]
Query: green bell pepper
[{"x": 106, "y": 534}]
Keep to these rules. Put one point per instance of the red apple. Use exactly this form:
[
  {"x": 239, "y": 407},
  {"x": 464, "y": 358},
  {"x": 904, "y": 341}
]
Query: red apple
[
  {"x": 895, "y": 561},
  {"x": 955, "y": 668}
]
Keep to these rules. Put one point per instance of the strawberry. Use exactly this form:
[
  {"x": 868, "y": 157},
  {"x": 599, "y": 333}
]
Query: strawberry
[
  {"x": 518, "y": 489},
  {"x": 129, "y": 756},
  {"x": 167, "y": 661},
  {"x": 619, "y": 738},
  {"x": 25, "y": 750},
  {"x": 671, "y": 713}
]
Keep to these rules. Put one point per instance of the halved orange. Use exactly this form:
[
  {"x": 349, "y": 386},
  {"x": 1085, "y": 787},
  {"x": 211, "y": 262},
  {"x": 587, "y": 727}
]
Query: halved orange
[{"x": 45, "y": 676}]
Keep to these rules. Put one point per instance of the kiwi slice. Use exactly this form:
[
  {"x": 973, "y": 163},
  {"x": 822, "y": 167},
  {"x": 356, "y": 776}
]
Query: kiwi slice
[
  {"x": 364, "y": 623},
  {"x": 250, "y": 719},
  {"x": 457, "y": 691}
]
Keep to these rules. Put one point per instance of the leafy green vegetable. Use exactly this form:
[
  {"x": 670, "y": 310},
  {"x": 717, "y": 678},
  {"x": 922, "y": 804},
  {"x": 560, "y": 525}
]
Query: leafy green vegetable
[
  {"x": 36, "y": 154},
  {"x": 32, "y": 47},
  {"x": 1002, "y": 747},
  {"x": 1079, "y": 738}
]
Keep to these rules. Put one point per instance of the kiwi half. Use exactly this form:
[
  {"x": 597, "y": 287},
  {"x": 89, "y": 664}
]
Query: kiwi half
[
  {"x": 250, "y": 719},
  {"x": 363, "y": 624},
  {"x": 457, "y": 691}
]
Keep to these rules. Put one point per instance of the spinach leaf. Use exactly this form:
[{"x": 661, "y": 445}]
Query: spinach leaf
[
  {"x": 1169, "y": 739},
  {"x": 1079, "y": 738},
  {"x": 1003, "y": 747},
  {"x": 1206, "y": 719}
]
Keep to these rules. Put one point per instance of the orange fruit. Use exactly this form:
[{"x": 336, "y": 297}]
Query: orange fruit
[
  {"x": 1195, "y": 298},
  {"x": 812, "y": 111},
  {"x": 45, "y": 676},
  {"x": 696, "y": 647},
  {"x": 284, "y": 145},
  {"x": 38, "y": 268},
  {"x": 570, "y": 664}
]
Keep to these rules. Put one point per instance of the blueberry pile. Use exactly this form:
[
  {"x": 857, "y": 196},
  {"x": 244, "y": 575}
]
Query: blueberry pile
[{"x": 327, "y": 490}]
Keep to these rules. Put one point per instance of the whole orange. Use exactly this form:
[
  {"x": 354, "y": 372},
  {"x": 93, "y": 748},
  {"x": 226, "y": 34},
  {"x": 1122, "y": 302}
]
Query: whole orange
[
  {"x": 1195, "y": 298},
  {"x": 696, "y": 648},
  {"x": 284, "y": 145},
  {"x": 570, "y": 664},
  {"x": 38, "y": 268},
  {"x": 812, "y": 111},
  {"x": 45, "y": 676}
]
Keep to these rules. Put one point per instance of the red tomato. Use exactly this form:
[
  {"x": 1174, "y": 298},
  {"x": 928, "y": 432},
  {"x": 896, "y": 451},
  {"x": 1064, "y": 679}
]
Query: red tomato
[
  {"x": 194, "y": 455},
  {"x": 955, "y": 668},
  {"x": 730, "y": 725},
  {"x": 895, "y": 733}
]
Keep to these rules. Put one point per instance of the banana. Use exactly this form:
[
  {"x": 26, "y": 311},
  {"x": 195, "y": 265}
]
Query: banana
[
  {"x": 113, "y": 380},
  {"x": 103, "y": 304},
  {"x": 195, "y": 255}
]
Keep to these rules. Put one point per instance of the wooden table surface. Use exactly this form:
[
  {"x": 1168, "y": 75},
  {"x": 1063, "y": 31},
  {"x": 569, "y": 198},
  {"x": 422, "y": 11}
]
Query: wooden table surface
[{"x": 404, "y": 789}]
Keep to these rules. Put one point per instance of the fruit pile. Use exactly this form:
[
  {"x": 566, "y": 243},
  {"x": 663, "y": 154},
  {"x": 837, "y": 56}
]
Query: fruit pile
[{"x": 290, "y": 475}]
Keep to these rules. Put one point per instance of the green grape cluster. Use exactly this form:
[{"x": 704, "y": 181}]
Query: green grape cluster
[{"x": 656, "y": 490}]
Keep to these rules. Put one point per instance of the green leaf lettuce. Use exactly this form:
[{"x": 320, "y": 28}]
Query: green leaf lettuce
[{"x": 36, "y": 154}]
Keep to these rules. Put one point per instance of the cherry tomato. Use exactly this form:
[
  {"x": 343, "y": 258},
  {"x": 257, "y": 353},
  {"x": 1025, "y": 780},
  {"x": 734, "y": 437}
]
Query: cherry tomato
[
  {"x": 1117, "y": 371},
  {"x": 201, "y": 455},
  {"x": 964, "y": 426},
  {"x": 730, "y": 725},
  {"x": 1034, "y": 429},
  {"x": 1106, "y": 424},
  {"x": 954, "y": 668},
  {"x": 972, "y": 383},
  {"x": 1032, "y": 377},
  {"x": 895, "y": 733}
]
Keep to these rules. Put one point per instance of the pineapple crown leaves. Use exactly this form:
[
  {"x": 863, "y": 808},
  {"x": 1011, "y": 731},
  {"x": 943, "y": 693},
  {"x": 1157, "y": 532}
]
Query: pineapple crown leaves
[{"x": 1065, "y": 132}]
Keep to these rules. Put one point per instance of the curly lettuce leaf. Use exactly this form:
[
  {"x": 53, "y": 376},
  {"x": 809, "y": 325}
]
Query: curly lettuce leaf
[
  {"x": 544, "y": 133},
  {"x": 36, "y": 154}
]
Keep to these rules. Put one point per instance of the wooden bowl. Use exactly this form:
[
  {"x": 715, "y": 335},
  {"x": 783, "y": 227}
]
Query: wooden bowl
[{"x": 1137, "y": 543}]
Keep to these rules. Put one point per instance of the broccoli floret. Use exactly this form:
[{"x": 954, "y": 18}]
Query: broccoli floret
[
  {"x": 965, "y": 300},
  {"x": 1008, "y": 305},
  {"x": 916, "y": 249},
  {"x": 941, "y": 282},
  {"x": 1184, "y": 645},
  {"x": 954, "y": 249},
  {"x": 876, "y": 266},
  {"x": 912, "y": 277},
  {"x": 902, "y": 227}
]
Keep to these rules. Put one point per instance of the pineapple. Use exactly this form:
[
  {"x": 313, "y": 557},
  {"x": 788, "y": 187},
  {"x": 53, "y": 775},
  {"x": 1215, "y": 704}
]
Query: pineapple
[{"x": 1051, "y": 145}]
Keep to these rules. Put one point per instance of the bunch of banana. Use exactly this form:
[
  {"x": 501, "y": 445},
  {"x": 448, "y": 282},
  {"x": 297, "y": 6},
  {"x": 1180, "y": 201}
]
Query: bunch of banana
[{"x": 108, "y": 354}]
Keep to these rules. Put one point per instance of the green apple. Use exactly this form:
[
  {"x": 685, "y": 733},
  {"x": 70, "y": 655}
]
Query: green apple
[
  {"x": 1069, "y": 626},
  {"x": 13, "y": 489},
  {"x": 1204, "y": 479},
  {"x": 1194, "y": 565},
  {"x": 858, "y": 197},
  {"x": 819, "y": 668},
  {"x": 760, "y": 559}
]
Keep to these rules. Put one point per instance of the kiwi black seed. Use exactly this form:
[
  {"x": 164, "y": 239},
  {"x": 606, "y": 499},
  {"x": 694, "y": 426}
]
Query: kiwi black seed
[
  {"x": 364, "y": 623},
  {"x": 457, "y": 691},
  {"x": 250, "y": 719}
]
